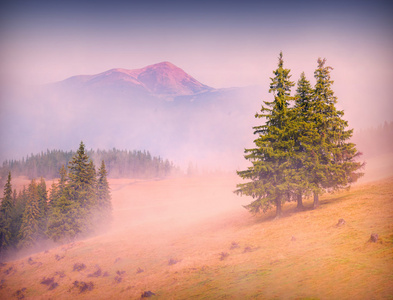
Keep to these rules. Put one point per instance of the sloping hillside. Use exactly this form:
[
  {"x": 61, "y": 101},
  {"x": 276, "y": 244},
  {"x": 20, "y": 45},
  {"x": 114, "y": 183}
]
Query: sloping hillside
[{"x": 189, "y": 238}]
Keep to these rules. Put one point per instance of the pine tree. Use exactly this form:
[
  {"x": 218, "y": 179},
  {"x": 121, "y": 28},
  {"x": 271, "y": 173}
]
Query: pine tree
[
  {"x": 334, "y": 166},
  {"x": 92, "y": 175},
  {"x": 82, "y": 181},
  {"x": 104, "y": 204},
  {"x": 64, "y": 222},
  {"x": 63, "y": 179},
  {"x": 53, "y": 196},
  {"x": 73, "y": 199},
  {"x": 6, "y": 214},
  {"x": 57, "y": 188},
  {"x": 20, "y": 206},
  {"x": 270, "y": 158},
  {"x": 43, "y": 204},
  {"x": 81, "y": 178},
  {"x": 14, "y": 197},
  {"x": 30, "y": 230},
  {"x": 303, "y": 135}
]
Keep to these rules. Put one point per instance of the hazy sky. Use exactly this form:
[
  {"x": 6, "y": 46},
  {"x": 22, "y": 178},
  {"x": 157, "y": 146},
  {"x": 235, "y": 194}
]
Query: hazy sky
[{"x": 220, "y": 43}]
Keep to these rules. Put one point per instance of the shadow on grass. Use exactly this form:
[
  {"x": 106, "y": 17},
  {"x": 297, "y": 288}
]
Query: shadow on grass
[{"x": 290, "y": 209}]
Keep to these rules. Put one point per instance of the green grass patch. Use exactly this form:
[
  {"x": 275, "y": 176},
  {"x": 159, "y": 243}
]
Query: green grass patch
[{"x": 253, "y": 275}]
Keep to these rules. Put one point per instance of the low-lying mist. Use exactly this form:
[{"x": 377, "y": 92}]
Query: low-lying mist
[
  {"x": 209, "y": 129},
  {"x": 172, "y": 205}
]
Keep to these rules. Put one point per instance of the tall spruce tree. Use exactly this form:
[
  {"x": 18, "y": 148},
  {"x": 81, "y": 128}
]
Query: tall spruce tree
[
  {"x": 64, "y": 222},
  {"x": 104, "y": 204},
  {"x": 303, "y": 136},
  {"x": 30, "y": 230},
  {"x": 43, "y": 203},
  {"x": 53, "y": 196},
  {"x": 20, "y": 207},
  {"x": 82, "y": 184},
  {"x": 334, "y": 163},
  {"x": 81, "y": 178},
  {"x": 6, "y": 214},
  {"x": 269, "y": 173}
]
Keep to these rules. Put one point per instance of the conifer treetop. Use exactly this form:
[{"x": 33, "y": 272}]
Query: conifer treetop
[{"x": 7, "y": 203}]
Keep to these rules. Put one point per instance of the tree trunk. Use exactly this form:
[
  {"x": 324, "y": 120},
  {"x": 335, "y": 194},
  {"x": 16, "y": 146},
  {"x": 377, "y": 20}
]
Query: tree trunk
[
  {"x": 278, "y": 209},
  {"x": 316, "y": 200},
  {"x": 299, "y": 202}
]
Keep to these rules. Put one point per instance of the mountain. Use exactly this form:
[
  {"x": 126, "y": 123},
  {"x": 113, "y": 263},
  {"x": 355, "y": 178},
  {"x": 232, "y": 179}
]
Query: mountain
[
  {"x": 159, "y": 108},
  {"x": 162, "y": 79}
]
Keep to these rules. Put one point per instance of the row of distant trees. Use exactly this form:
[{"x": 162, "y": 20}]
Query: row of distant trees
[
  {"x": 78, "y": 204},
  {"x": 375, "y": 141},
  {"x": 119, "y": 163},
  {"x": 303, "y": 147}
]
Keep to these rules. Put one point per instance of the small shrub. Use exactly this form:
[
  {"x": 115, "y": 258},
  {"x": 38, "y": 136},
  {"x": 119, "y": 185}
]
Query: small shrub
[
  {"x": 223, "y": 255},
  {"x": 20, "y": 294},
  {"x": 139, "y": 270},
  {"x": 79, "y": 267},
  {"x": 173, "y": 261},
  {"x": 9, "y": 270},
  {"x": 119, "y": 277},
  {"x": 247, "y": 249},
  {"x": 50, "y": 282},
  {"x": 58, "y": 257},
  {"x": 61, "y": 274},
  {"x": 53, "y": 286},
  {"x": 117, "y": 260},
  {"x": 147, "y": 294},
  {"x": 97, "y": 273},
  {"x": 234, "y": 245},
  {"x": 340, "y": 222},
  {"x": 373, "y": 238},
  {"x": 47, "y": 281},
  {"x": 83, "y": 286}
]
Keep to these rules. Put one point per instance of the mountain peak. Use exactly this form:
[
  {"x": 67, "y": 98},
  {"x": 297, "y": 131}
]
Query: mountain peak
[
  {"x": 167, "y": 79},
  {"x": 166, "y": 64}
]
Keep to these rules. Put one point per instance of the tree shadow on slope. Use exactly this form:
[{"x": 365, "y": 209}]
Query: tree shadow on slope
[{"x": 290, "y": 209}]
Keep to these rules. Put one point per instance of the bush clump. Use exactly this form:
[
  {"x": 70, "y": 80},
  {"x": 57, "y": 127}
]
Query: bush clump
[
  {"x": 97, "y": 273},
  {"x": 79, "y": 267},
  {"x": 173, "y": 261},
  {"x": 234, "y": 245},
  {"x": 223, "y": 255},
  {"x": 83, "y": 286},
  {"x": 50, "y": 282},
  {"x": 147, "y": 294}
]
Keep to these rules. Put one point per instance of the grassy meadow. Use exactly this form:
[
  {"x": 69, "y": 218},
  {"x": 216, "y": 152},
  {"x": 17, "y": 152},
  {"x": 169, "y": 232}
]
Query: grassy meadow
[{"x": 190, "y": 238}]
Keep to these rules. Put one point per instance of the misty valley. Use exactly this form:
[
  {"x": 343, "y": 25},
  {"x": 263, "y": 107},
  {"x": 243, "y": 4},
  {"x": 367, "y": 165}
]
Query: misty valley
[{"x": 225, "y": 202}]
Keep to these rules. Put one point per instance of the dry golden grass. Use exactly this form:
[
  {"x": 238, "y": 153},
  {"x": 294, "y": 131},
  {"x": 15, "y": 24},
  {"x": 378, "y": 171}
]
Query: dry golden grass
[{"x": 193, "y": 221}]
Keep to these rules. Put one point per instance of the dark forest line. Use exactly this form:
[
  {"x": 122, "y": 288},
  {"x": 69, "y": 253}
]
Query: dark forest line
[{"x": 119, "y": 164}]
